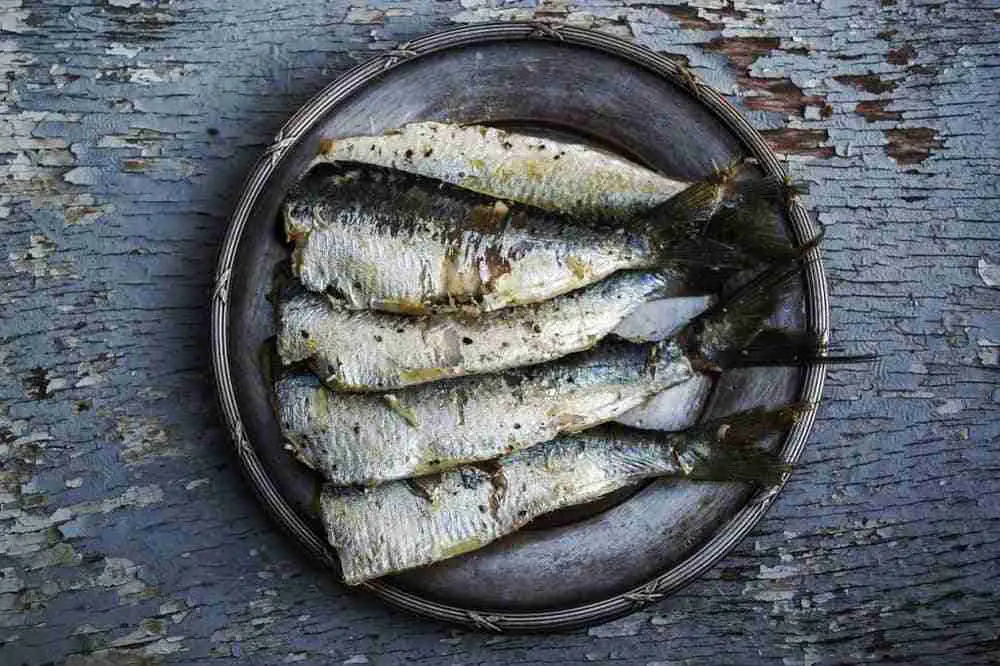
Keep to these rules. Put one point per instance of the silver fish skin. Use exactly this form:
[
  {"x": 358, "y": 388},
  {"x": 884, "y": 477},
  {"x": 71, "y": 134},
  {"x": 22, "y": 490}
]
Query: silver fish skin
[
  {"x": 559, "y": 176},
  {"x": 366, "y": 438},
  {"x": 389, "y": 240},
  {"x": 404, "y": 524},
  {"x": 378, "y": 351}
]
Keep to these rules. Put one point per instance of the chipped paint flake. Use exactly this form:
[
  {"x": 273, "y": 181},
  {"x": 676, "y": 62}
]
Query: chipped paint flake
[
  {"x": 988, "y": 272},
  {"x": 197, "y": 483},
  {"x": 82, "y": 176},
  {"x": 35, "y": 260},
  {"x": 988, "y": 352},
  {"x": 122, "y": 575},
  {"x": 117, "y": 49},
  {"x": 143, "y": 437}
]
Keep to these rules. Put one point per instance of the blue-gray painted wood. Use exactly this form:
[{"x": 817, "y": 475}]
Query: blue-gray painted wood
[{"x": 126, "y": 534}]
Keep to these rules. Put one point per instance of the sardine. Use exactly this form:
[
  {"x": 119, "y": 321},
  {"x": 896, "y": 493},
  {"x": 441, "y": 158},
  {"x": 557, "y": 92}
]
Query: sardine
[
  {"x": 365, "y": 350},
  {"x": 404, "y": 524},
  {"x": 563, "y": 177},
  {"x": 366, "y": 438},
  {"x": 389, "y": 240}
]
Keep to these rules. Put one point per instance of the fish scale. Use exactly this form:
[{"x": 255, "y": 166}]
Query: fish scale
[
  {"x": 392, "y": 241},
  {"x": 389, "y": 528},
  {"x": 369, "y": 350},
  {"x": 562, "y": 176},
  {"x": 365, "y": 438}
]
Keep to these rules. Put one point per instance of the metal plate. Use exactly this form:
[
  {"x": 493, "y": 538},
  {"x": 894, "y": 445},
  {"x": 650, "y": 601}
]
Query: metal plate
[{"x": 566, "y": 573}]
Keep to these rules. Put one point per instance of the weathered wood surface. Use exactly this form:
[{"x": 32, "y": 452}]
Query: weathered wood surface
[{"x": 127, "y": 534}]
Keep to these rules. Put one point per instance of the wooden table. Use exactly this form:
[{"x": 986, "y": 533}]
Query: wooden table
[{"x": 128, "y": 536}]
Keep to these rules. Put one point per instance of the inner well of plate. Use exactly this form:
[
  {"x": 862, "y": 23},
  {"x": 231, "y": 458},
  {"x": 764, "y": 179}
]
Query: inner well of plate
[{"x": 536, "y": 86}]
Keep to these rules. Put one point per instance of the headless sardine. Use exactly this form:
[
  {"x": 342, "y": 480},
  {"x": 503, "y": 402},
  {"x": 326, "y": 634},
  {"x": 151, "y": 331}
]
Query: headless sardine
[
  {"x": 389, "y": 240},
  {"x": 562, "y": 177},
  {"x": 366, "y": 438},
  {"x": 405, "y": 524},
  {"x": 376, "y": 351}
]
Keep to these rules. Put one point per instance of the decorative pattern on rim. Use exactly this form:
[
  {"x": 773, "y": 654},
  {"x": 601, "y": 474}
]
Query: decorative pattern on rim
[{"x": 727, "y": 536}]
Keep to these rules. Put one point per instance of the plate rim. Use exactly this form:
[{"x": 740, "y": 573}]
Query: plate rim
[{"x": 727, "y": 536}]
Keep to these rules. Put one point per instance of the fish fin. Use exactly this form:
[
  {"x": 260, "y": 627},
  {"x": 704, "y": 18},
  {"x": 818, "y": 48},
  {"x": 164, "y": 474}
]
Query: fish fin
[
  {"x": 773, "y": 347},
  {"x": 734, "y": 332},
  {"x": 747, "y": 464},
  {"x": 733, "y": 455},
  {"x": 733, "y": 322},
  {"x": 717, "y": 227},
  {"x": 746, "y": 427}
]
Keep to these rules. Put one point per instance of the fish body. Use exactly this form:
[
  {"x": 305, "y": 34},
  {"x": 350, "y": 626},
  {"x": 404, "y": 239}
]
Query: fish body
[
  {"x": 367, "y": 438},
  {"x": 404, "y": 524},
  {"x": 377, "y": 351},
  {"x": 389, "y": 240},
  {"x": 563, "y": 177}
]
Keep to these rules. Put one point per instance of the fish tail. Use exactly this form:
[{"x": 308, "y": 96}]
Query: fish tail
[
  {"x": 734, "y": 333},
  {"x": 747, "y": 228},
  {"x": 718, "y": 227},
  {"x": 733, "y": 456},
  {"x": 733, "y": 322},
  {"x": 773, "y": 347},
  {"x": 742, "y": 464}
]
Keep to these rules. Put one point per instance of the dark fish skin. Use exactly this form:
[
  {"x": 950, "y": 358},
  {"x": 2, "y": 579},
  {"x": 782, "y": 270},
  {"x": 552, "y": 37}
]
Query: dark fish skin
[{"x": 404, "y": 524}]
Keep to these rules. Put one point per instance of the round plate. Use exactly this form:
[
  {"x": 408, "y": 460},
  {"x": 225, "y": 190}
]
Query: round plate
[{"x": 593, "y": 566}]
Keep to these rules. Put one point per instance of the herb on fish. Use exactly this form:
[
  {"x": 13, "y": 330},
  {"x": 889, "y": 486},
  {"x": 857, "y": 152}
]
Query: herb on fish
[{"x": 406, "y": 413}]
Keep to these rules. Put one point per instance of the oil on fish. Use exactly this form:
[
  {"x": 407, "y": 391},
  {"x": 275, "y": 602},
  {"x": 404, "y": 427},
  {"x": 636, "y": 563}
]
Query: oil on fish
[
  {"x": 387, "y": 240},
  {"x": 377, "y": 351},
  {"x": 563, "y": 177},
  {"x": 404, "y": 524}
]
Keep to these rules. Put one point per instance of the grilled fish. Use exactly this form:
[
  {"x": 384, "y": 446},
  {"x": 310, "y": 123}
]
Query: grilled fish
[
  {"x": 568, "y": 178},
  {"x": 377, "y": 351},
  {"x": 404, "y": 524},
  {"x": 366, "y": 438},
  {"x": 389, "y": 240}
]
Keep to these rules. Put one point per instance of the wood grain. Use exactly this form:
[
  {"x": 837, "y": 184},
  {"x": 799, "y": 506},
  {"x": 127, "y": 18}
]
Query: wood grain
[{"x": 127, "y": 535}]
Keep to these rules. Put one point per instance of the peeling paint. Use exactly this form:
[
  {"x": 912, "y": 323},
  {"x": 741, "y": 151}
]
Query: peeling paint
[
  {"x": 800, "y": 141},
  {"x": 911, "y": 145},
  {"x": 143, "y": 437},
  {"x": 869, "y": 82},
  {"x": 875, "y": 110},
  {"x": 35, "y": 260}
]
